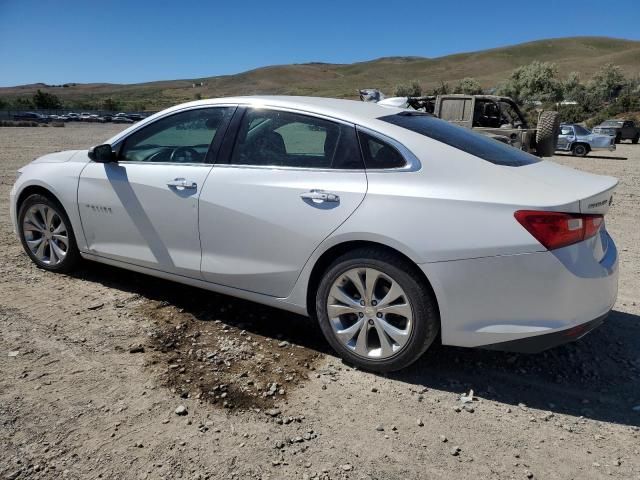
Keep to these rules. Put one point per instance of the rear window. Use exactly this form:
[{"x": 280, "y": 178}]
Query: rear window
[{"x": 462, "y": 138}]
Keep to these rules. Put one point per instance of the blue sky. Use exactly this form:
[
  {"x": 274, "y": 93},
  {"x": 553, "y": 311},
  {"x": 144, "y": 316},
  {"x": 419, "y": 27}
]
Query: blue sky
[{"x": 135, "y": 41}]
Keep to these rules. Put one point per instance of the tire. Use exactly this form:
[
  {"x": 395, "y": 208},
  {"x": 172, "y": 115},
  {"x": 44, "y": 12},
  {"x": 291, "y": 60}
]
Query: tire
[
  {"x": 419, "y": 328},
  {"x": 635, "y": 139},
  {"x": 618, "y": 138},
  {"x": 580, "y": 150},
  {"x": 40, "y": 217},
  {"x": 547, "y": 133}
]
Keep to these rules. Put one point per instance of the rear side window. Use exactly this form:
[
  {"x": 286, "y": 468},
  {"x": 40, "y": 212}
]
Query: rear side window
[
  {"x": 461, "y": 138},
  {"x": 285, "y": 139},
  {"x": 378, "y": 154}
]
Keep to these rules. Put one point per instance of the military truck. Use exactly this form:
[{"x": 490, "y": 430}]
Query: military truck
[{"x": 495, "y": 116}]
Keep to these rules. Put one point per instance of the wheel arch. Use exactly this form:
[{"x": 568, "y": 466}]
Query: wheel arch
[
  {"x": 330, "y": 254},
  {"x": 35, "y": 189}
]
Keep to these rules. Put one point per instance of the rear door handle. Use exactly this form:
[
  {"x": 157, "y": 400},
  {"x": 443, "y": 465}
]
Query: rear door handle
[
  {"x": 319, "y": 196},
  {"x": 182, "y": 183}
]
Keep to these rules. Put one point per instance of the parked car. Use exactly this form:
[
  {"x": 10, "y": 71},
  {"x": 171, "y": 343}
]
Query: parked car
[
  {"x": 579, "y": 141},
  {"x": 136, "y": 117},
  {"x": 620, "y": 129},
  {"x": 73, "y": 117},
  {"x": 118, "y": 119},
  {"x": 31, "y": 117},
  {"x": 387, "y": 226},
  {"x": 85, "y": 117}
]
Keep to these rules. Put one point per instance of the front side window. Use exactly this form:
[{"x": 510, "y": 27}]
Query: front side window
[
  {"x": 285, "y": 139},
  {"x": 379, "y": 155},
  {"x": 180, "y": 138}
]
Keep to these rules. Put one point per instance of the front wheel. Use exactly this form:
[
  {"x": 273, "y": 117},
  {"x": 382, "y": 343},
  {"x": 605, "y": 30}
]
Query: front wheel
[
  {"x": 46, "y": 234},
  {"x": 635, "y": 139},
  {"x": 376, "y": 311}
]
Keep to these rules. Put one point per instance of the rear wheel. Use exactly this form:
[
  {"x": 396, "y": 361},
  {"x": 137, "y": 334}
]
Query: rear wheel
[
  {"x": 376, "y": 311},
  {"x": 635, "y": 139},
  {"x": 580, "y": 150},
  {"x": 46, "y": 234},
  {"x": 618, "y": 138}
]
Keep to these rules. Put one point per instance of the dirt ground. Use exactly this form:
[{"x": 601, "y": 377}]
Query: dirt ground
[{"x": 94, "y": 365}]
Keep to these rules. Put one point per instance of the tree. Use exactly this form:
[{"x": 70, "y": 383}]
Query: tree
[
  {"x": 110, "y": 104},
  {"x": 468, "y": 86},
  {"x": 3, "y": 104},
  {"x": 607, "y": 83},
  {"x": 23, "y": 103},
  {"x": 572, "y": 88},
  {"x": 411, "y": 90},
  {"x": 45, "y": 100},
  {"x": 534, "y": 82}
]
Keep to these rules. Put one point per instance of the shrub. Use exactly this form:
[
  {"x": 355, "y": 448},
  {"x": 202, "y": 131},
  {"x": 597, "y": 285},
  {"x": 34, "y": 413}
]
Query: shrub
[
  {"x": 21, "y": 123},
  {"x": 468, "y": 86},
  {"x": 412, "y": 90},
  {"x": 57, "y": 124}
]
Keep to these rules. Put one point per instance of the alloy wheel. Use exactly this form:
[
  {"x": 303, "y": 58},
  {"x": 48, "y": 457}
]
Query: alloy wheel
[
  {"x": 370, "y": 313},
  {"x": 45, "y": 234}
]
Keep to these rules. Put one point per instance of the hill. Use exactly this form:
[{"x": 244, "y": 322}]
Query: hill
[{"x": 489, "y": 67}]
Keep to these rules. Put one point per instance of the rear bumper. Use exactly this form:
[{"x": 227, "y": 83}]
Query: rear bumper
[
  {"x": 553, "y": 295},
  {"x": 546, "y": 341}
]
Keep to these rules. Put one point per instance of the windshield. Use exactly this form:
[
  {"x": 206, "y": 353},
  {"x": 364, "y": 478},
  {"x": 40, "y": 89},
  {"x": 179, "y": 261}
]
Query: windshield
[
  {"x": 581, "y": 130},
  {"x": 612, "y": 123},
  {"x": 461, "y": 138}
]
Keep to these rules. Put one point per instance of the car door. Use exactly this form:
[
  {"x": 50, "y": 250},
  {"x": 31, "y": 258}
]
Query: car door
[
  {"x": 628, "y": 130},
  {"x": 143, "y": 208},
  {"x": 287, "y": 181},
  {"x": 566, "y": 138}
]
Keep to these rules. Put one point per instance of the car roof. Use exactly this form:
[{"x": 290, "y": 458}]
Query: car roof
[{"x": 354, "y": 111}]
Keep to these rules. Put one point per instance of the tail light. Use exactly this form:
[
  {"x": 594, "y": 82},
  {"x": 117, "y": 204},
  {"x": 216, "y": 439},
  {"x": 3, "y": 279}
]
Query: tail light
[{"x": 555, "y": 229}]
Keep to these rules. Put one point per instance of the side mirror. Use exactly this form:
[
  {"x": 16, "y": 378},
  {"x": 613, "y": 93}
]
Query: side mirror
[{"x": 102, "y": 153}]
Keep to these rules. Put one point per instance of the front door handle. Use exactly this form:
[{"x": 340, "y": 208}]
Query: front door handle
[
  {"x": 182, "y": 183},
  {"x": 320, "y": 196}
]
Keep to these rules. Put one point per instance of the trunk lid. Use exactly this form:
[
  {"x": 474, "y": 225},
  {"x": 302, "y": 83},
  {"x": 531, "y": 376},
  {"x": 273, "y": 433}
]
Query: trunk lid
[{"x": 574, "y": 191}]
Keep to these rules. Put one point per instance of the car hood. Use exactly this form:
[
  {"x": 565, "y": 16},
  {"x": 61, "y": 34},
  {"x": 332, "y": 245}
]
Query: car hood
[{"x": 58, "y": 157}]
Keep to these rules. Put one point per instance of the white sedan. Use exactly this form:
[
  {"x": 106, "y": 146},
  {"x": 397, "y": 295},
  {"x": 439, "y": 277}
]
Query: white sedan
[{"x": 386, "y": 226}]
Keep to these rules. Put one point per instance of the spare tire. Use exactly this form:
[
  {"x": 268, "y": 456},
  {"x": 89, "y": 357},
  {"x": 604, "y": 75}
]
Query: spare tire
[{"x": 547, "y": 133}]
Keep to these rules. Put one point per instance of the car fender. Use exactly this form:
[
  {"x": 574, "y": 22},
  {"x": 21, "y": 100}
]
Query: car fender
[{"x": 61, "y": 180}]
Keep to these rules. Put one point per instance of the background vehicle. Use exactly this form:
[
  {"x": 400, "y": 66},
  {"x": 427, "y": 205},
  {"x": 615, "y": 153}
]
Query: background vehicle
[
  {"x": 620, "y": 129},
  {"x": 118, "y": 119},
  {"x": 385, "y": 225},
  {"x": 85, "y": 117},
  {"x": 32, "y": 117},
  {"x": 494, "y": 116},
  {"x": 73, "y": 117},
  {"x": 580, "y": 141}
]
